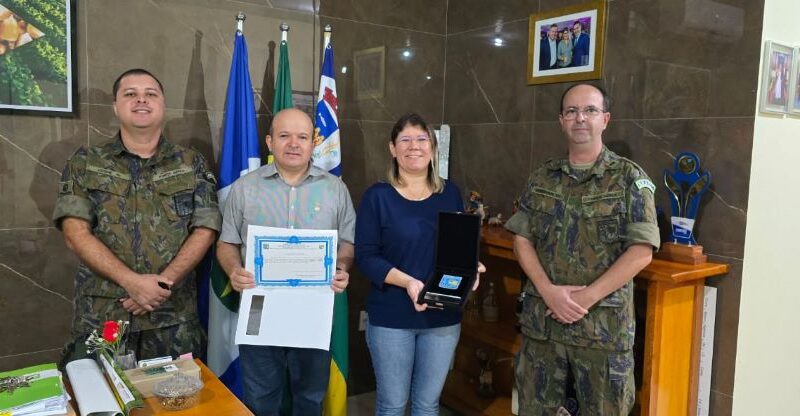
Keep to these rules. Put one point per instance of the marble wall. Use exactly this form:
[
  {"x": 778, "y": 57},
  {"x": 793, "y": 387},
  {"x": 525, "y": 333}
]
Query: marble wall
[
  {"x": 682, "y": 75},
  {"x": 188, "y": 45},
  {"x": 413, "y": 35}
]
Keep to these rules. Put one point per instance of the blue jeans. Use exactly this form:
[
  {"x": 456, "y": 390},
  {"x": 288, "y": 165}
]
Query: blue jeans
[
  {"x": 410, "y": 361},
  {"x": 264, "y": 374}
]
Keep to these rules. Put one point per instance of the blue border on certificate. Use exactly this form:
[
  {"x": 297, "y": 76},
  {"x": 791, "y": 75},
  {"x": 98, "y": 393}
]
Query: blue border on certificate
[{"x": 290, "y": 280}]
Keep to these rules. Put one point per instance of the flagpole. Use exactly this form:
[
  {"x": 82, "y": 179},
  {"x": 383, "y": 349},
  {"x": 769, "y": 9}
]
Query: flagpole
[
  {"x": 240, "y": 21},
  {"x": 326, "y": 37},
  {"x": 284, "y": 31}
]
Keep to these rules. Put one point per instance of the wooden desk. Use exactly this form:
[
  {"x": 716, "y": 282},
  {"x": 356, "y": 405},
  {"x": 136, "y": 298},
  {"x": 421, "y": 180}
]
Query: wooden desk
[
  {"x": 672, "y": 329},
  {"x": 215, "y": 399}
]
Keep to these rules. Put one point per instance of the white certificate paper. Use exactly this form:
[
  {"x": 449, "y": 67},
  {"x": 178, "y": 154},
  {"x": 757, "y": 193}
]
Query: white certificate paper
[{"x": 292, "y": 303}]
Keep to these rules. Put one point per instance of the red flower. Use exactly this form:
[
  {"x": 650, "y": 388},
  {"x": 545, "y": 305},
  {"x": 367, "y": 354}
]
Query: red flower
[{"x": 111, "y": 331}]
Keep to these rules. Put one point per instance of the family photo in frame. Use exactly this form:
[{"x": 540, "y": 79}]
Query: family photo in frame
[
  {"x": 567, "y": 44},
  {"x": 780, "y": 81}
]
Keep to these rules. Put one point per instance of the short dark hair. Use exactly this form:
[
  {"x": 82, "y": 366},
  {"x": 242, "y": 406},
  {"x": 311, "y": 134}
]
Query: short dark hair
[
  {"x": 134, "y": 71},
  {"x": 554, "y": 26},
  {"x": 577, "y": 22},
  {"x": 606, "y": 99}
]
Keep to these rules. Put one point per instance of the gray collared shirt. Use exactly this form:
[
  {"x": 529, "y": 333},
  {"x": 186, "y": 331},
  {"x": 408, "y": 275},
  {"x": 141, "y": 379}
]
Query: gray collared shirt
[{"x": 320, "y": 202}]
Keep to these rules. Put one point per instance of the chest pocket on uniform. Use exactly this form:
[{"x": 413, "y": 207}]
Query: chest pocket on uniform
[
  {"x": 543, "y": 211},
  {"x": 108, "y": 190},
  {"x": 605, "y": 215},
  {"x": 177, "y": 194}
]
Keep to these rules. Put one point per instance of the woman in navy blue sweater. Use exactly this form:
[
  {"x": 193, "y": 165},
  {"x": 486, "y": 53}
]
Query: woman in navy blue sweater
[{"x": 411, "y": 346}]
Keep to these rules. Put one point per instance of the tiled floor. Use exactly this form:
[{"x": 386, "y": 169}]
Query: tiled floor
[{"x": 364, "y": 405}]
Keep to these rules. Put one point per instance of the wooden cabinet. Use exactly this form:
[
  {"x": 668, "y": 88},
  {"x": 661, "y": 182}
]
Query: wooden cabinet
[
  {"x": 673, "y": 317},
  {"x": 499, "y": 340}
]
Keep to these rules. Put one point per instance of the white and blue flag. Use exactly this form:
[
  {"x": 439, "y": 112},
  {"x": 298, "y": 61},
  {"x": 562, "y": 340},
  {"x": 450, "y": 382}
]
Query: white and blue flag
[
  {"x": 239, "y": 156},
  {"x": 327, "y": 149}
]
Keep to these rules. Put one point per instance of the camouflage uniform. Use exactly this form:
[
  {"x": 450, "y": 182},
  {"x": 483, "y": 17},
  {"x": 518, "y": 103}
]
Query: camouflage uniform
[
  {"x": 580, "y": 223},
  {"x": 142, "y": 210}
]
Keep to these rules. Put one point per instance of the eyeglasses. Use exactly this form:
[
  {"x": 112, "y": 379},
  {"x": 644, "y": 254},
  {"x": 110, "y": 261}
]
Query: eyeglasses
[
  {"x": 588, "y": 112},
  {"x": 421, "y": 140}
]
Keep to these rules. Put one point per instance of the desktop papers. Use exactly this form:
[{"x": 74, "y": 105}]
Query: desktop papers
[
  {"x": 101, "y": 388},
  {"x": 92, "y": 393},
  {"x": 32, "y": 391},
  {"x": 292, "y": 303}
]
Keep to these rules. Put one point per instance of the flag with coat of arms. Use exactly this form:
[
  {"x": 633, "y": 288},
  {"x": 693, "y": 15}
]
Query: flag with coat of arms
[{"x": 327, "y": 156}]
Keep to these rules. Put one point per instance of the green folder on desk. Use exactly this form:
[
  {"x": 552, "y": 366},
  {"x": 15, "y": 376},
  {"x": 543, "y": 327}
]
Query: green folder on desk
[{"x": 32, "y": 386}]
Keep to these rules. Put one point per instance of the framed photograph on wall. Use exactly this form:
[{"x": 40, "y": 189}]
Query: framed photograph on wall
[
  {"x": 369, "y": 72},
  {"x": 794, "y": 88},
  {"x": 36, "y": 56},
  {"x": 567, "y": 44},
  {"x": 775, "y": 78}
]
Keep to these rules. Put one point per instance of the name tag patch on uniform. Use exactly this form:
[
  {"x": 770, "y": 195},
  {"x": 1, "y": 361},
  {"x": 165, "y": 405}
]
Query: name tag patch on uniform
[
  {"x": 172, "y": 173},
  {"x": 645, "y": 183},
  {"x": 184, "y": 203}
]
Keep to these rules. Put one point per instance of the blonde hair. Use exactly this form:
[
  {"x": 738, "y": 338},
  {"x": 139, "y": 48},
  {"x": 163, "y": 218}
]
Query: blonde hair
[{"x": 435, "y": 182}]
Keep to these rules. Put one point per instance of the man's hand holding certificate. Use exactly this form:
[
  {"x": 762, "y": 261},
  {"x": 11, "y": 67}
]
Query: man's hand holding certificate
[{"x": 288, "y": 277}]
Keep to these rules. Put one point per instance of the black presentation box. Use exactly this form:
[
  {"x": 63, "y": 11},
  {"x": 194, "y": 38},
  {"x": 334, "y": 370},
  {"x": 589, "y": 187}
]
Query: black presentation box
[{"x": 458, "y": 239}]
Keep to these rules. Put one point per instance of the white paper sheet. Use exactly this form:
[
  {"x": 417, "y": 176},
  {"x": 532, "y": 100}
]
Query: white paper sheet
[
  {"x": 706, "y": 350},
  {"x": 92, "y": 393},
  {"x": 292, "y": 305},
  {"x": 443, "y": 138}
]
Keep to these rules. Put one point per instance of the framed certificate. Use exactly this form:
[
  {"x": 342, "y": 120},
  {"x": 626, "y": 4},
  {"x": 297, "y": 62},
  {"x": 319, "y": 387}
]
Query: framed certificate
[
  {"x": 294, "y": 260},
  {"x": 292, "y": 303}
]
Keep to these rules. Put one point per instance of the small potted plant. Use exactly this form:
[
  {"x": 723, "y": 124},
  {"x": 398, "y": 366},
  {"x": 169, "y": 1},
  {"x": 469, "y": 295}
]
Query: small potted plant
[
  {"x": 112, "y": 341},
  {"x": 113, "y": 358}
]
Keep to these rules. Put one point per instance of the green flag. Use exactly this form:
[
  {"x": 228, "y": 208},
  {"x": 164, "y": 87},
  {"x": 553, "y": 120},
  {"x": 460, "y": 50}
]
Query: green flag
[
  {"x": 283, "y": 82},
  {"x": 283, "y": 85},
  {"x": 282, "y": 100}
]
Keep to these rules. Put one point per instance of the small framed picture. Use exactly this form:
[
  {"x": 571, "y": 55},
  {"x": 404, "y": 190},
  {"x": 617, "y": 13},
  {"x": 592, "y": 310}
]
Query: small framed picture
[
  {"x": 794, "y": 90},
  {"x": 775, "y": 78},
  {"x": 567, "y": 44},
  {"x": 369, "y": 72},
  {"x": 37, "y": 56}
]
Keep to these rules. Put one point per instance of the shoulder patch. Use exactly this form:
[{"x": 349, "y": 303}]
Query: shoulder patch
[{"x": 645, "y": 183}]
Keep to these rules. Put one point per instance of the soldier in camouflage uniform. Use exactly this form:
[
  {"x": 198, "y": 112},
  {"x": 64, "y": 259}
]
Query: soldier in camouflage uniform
[
  {"x": 586, "y": 227},
  {"x": 140, "y": 213}
]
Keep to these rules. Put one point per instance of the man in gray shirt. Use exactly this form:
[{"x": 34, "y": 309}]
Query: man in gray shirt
[{"x": 290, "y": 193}]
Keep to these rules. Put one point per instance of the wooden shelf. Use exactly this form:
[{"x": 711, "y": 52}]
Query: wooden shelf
[
  {"x": 461, "y": 395},
  {"x": 500, "y": 243},
  {"x": 501, "y": 335},
  {"x": 671, "y": 272}
]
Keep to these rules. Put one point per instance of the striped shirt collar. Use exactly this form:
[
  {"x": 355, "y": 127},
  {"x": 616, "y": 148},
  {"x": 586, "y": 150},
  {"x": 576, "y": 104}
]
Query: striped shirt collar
[{"x": 271, "y": 171}]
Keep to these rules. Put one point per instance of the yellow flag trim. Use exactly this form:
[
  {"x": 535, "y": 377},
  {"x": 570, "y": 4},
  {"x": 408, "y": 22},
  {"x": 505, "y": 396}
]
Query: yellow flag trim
[{"x": 335, "y": 403}]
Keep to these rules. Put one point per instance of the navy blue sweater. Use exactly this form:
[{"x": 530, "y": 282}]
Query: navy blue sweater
[{"x": 392, "y": 231}]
